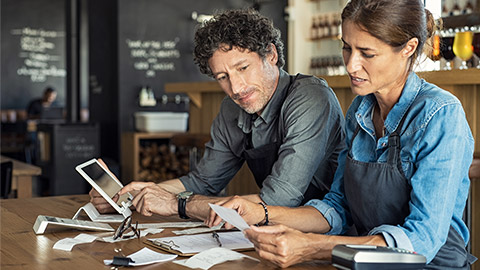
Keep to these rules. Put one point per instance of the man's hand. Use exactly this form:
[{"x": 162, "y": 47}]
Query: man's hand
[
  {"x": 251, "y": 212},
  {"x": 282, "y": 245},
  {"x": 151, "y": 199}
]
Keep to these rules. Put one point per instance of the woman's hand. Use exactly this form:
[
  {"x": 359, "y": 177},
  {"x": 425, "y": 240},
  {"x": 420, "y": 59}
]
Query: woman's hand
[
  {"x": 251, "y": 212},
  {"x": 100, "y": 203},
  {"x": 97, "y": 199},
  {"x": 284, "y": 246}
]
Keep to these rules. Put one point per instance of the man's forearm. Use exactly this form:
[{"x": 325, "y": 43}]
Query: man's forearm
[
  {"x": 198, "y": 206},
  {"x": 174, "y": 186}
]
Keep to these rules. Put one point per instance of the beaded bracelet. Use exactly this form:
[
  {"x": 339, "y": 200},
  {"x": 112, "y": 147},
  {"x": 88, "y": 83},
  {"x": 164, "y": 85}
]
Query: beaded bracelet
[{"x": 266, "y": 213}]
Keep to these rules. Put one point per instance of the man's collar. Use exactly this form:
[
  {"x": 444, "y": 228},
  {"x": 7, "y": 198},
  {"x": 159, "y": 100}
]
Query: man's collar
[
  {"x": 274, "y": 104},
  {"x": 272, "y": 107}
]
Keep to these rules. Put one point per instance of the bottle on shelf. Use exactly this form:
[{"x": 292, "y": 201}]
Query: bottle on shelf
[
  {"x": 446, "y": 9},
  {"x": 327, "y": 30},
  {"x": 313, "y": 29},
  {"x": 468, "y": 9},
  {"x": 320, "y": 27},
  {"x": 456, "y": 10},
  {"x": 334, "y": 26}
]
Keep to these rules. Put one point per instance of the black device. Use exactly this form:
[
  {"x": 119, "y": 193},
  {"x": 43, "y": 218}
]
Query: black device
[
  {"x": 51, "y": 113},
  {"x": 366, "y": 257}
]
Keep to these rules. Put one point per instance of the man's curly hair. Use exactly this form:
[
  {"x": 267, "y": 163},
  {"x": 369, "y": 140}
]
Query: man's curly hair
[{"x": 245, "y": 29}]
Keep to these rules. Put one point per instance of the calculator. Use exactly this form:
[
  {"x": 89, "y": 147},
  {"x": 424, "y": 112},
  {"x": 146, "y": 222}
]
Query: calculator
[{"x": 367, "y": 257}]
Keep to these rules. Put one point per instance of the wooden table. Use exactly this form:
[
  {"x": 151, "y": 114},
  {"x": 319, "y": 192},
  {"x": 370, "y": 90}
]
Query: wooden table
[
  {"x": 22, "y": 176},
  {"x": 22, "y": 249}
]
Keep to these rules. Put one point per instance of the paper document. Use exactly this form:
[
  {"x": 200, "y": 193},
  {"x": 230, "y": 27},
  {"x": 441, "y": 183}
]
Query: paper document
[
  {"x": 67, "y": 244},
  {"x": 192, "y": 244},
  {"x": 231, "y": 216},
  {"x": 208, "y": 258},
  {"x": 200, "y": 230},
  {"x": 187, "y": 224},
  {"x": 146, "y": 256}
]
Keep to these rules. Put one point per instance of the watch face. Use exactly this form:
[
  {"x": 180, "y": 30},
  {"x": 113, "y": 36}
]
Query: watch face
[{"x": 185, "y": 194}]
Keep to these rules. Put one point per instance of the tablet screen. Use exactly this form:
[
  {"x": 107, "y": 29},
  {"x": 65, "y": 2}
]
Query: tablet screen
[{"x": 105, "y": 181}]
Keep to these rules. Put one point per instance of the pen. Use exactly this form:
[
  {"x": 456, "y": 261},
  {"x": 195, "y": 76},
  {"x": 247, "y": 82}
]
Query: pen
[{"x": 217, "y": 238}]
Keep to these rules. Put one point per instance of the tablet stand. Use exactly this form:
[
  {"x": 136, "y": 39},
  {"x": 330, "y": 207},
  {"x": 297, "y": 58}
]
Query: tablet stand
[{"x": 95, "y": 216}]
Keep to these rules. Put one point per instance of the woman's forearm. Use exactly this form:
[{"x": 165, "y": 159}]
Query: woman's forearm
[{"x": 304, "y": 218}]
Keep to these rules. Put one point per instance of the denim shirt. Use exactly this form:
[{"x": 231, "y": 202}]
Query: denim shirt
[
  {"x": 436, "y": 153},
  {"x": 311, "y": 124}
]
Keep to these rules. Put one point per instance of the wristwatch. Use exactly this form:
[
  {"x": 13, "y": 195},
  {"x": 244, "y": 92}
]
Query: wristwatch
[{"x": 183, "y": 198}]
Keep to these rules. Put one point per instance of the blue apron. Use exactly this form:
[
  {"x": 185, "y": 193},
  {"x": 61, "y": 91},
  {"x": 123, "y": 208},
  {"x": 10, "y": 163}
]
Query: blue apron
[{"x": 379, "y": 193}]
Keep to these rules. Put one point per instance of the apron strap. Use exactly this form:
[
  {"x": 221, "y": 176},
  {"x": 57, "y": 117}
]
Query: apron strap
[{"x": 394, "y": 147}]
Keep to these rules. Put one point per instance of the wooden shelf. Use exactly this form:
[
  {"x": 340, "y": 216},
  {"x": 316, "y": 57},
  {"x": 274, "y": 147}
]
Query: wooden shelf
[
  {"x": 461, "y": 20},
  {"x": 130, "y": 147},
  {"x": 444, "y": 77},
  {"x": 336, "y": 37}
]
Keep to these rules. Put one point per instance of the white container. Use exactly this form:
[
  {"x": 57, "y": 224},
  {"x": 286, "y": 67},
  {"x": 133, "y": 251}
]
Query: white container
[{"x": 161, "y": 121}]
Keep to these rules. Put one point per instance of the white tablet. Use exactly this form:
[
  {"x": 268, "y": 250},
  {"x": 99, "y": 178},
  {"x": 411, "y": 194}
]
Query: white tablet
[{"x": 106, "y": 184}]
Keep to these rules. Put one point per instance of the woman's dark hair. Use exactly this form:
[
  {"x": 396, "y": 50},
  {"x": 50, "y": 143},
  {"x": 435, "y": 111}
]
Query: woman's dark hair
[
  {"x": 394, "y": 22},
  {"x": 245, "y": 29}
]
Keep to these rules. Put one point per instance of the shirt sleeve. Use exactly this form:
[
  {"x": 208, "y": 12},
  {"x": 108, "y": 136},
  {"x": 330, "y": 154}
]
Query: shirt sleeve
[
  {"x": 440, "y": 181},
  {"x": 219, "y": 163},
  {"x": 313, "y": 127}
]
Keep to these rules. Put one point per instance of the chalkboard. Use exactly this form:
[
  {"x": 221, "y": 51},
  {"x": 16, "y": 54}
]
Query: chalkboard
[
  {"x": 32, "y": 49},
  {"x": 155, "y": 45},
  {"x": 70, "y": 145}
]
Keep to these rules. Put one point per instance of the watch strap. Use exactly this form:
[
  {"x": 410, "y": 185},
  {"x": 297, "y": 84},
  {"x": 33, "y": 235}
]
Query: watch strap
[{"x": 182, "y": 204}]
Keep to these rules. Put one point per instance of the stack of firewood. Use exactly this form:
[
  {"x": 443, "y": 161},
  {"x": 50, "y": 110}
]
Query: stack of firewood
[{"x": 160, "y": 162}]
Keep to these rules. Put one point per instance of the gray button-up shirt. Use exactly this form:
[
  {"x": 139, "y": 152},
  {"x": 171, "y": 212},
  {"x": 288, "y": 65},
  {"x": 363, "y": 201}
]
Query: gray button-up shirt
[{"x": 311, "y": 121}]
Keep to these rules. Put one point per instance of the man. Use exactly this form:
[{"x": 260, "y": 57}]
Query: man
[
  {"x": 36, "y": 106},
  {"x": 289, "y": 129}
]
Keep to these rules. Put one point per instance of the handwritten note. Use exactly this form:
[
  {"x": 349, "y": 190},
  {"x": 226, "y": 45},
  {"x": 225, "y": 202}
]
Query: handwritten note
[
  {"x": 231, "y": 216},
  {"x": 37, "y": 48},
  {"x": 153, "y": 55},
  {"x": 191, "y": 244}
]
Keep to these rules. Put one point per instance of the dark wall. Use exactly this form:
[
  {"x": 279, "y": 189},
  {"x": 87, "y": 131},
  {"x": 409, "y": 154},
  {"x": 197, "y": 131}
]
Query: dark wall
[
  {"x": 103, "y": 79},
  {"x": 32, "y": 50}
]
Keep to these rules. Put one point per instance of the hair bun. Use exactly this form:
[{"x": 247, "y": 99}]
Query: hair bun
[{"x": 432, "y": 24}]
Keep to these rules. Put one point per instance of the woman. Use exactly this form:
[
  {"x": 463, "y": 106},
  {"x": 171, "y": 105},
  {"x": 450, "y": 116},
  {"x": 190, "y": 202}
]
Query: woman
[{"x": 403, "y": 179}]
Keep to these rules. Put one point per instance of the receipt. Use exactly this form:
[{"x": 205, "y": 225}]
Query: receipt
[
  {"x": 67, "y": 244},
  {"x": 145, "y": 256},
  {"x": 208, "y": 258},
  {"x": 231, "y": 216}
]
